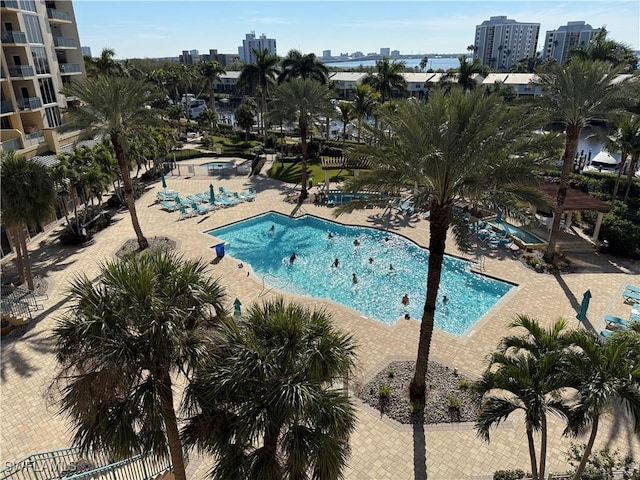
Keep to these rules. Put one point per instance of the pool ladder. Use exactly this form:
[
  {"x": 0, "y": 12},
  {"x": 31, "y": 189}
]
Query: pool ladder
[{"x": 262, "y": 292}]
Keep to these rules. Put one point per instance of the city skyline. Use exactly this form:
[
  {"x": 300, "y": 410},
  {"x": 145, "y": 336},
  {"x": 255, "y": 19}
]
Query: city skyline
[{"x": 134, "y": 29}]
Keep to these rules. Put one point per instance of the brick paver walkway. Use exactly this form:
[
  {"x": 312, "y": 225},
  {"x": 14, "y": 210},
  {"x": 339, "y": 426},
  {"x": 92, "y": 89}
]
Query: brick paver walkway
[{"x": 381, "y": 448}]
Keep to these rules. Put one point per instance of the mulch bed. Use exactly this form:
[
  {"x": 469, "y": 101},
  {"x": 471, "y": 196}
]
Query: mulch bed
[{"x": 156, "y": 244}]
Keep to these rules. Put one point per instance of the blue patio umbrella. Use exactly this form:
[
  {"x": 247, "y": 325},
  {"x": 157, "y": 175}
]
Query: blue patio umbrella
[
  {"x": 582, "y": 314},
  {"x": 164, "y": 182},
  {"x": 212, "y": 195},
  {"x": 499, "y": 216},
  {"x": 237, "y": 310}
]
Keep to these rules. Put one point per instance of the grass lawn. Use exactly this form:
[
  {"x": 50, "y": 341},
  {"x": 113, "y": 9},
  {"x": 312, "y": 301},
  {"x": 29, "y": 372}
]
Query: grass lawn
[{"x": 292, "y": 171}]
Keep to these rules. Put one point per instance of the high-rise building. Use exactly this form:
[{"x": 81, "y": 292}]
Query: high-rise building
[
  {"x": 385, "y": 52},
  {"x": 558, "y": 43},
  {"x": 501, "y": 42},
  {"x": 86, "y": 51},
  {"x": 326, "y": 54},
  {"x": 251, "y": 43},
  {"x": 40, "y": 55}
]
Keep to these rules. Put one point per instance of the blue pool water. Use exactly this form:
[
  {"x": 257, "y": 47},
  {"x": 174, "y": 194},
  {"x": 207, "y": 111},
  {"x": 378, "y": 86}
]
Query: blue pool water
[
  {"x": 523, "y": 235},
  {"x": 218, "y": 165},
  {"x": 379, "y": 290}
]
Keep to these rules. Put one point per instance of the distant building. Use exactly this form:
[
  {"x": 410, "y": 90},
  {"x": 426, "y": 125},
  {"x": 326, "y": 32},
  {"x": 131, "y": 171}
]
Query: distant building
[
  {"x": 251, "y": 43},
  {"x": 194, "y": 52},
  {"x": 395, "y": 53},
  {"x": 225, "y": 59},
  {"x": 188, "y": 58},
  {"x": 501, "y": 42},
  {"x": 558, "y": 43},
  {"x": 357, "y": 54},
  {"x": 385, "y": 52},
  {"x": 86, "y": 51},
  {"x": 326, "y": 54}
]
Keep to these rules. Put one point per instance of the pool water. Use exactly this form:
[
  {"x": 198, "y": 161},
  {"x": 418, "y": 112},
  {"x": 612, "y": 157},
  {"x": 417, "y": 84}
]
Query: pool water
[
  {"x": 218, "y": 165},
  {"x": 523, "y": 235},
  {"x": 379, "y": 290}
]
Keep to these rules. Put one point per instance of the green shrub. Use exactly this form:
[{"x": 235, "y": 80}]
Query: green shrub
[
  {"x": 414, "y": 407},
  {"x": 464, "y": 383},
  {"x": 384, "y": 391},
  {"x": 391, "y": 373},
  {"x": 623, "y": 236},
  {"x": 510, "y": 474},
  {"x": 454, "y": 402},
  {"x": 602, "y": 464}
]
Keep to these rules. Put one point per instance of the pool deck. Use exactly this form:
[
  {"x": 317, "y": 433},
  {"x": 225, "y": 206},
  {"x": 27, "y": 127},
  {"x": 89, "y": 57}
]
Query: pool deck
[{"x": 381, "y": 448}]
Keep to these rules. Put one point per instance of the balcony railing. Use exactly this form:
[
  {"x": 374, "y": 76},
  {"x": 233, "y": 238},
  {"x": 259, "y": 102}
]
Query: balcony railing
[
  {"x": 6, "y": 106},
  {"x": 70, "y": 68},
  {"x": 33, "y": 138},
  {"x": 30, "y": 103},
  {"x": 55, "y": 14},
  {"x": 64, "y": 42},
  {"x": 10, "y": 4},
  {"x": 14, "y": 37},
  {"x": 21, "y": 71},
  {"x": 10, "y": 145}
]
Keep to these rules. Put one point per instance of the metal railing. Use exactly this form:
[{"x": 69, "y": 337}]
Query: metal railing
[
  {"x": 21, "y": 71},
  {"x": 70, "y": 465},
  {"x": 30, "y": 103},
  {"x": 64, "y": 42},
  {"x": 11, "y": 145},
  {"x": 14, "y": 36},
  {"x": 10, "y": 4},
  {"x": 6, "y": 106},
  {"x": 70, "y": 68},
  {"x": 33, "y": 138},
  {"x": 56, "y": 14}
]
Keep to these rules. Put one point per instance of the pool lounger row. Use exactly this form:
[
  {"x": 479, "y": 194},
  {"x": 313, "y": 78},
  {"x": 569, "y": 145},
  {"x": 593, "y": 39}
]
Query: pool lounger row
[{"x": 631, "y": 296}]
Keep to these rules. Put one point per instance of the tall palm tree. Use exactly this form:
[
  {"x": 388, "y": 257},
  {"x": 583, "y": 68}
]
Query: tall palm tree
[
  {"x": 575, "y": 94},
  {"x": 529, "y": 368},
  {"x": 259, "y": 77},
  {"x": 464, "y": 76},
  {"x": 245, "y": 115},
  {"x": 364, "y": 103},
  {"x": 28, "y": 197},
  {"x": 298, "y": 65},
  {"x": 423, "y": 63},
  {"x": 210, "y": 73},
  {"x": 601, "y": 48},
  {"x": 104, "y": 64},
  {"x": 603, "y": 374},
  {"x": 263, "y": 403},
  {"x": 387, "y": 78},
  {"x": 302, "y": 101},
  {"x": 347, "y": 113},
  {"x": 453, "y": 147},
  {"x": 111, "y": 106},
  {"x": 119, "y": 346},
  {"x": 625, "y": 139}
]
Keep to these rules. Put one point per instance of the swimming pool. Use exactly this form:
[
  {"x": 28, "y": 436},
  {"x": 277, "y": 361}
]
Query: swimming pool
[
  {"x": 514, "y": 231},
  {"x": 379, "y": 289},
  {"x": 218, "y": 165}
]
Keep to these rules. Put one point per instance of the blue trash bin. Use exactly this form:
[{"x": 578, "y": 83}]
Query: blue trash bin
[{"x": 220, "y": 250}]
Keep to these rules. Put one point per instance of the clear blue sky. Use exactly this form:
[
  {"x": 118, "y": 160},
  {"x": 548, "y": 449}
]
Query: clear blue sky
[{"x": 163, "y": 28}]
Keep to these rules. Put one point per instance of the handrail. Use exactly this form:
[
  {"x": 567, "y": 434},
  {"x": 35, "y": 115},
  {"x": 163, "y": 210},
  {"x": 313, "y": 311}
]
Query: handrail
[{"x": 263, "y": 284}]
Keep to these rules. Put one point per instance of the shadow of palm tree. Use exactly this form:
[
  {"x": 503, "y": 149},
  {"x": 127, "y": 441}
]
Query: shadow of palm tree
[{"x": 419, "y": 452}]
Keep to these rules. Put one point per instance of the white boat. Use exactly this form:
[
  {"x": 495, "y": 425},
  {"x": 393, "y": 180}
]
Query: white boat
[{"x": 603, "y": 162}]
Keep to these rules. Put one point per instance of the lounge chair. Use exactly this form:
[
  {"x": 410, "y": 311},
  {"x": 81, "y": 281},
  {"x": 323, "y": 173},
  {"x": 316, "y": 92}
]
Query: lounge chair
[
  {"x": 248, "y": 196},
  {"x": 201, "y": 209},
  {"x": 186, "y": 212},
  {"x": 621, "y": 323},
  {"x": 632, "y": 288},
  {"x": 630, "y": 296},
  {"x": 170, "y": 207},
  {"x": 406, "y": 207},
  {"x": 427, "y": 215},
  {"x": 634, "y": 317},
  {"x": 194, "y": 199},
  {"x": 604, "y": 334}
]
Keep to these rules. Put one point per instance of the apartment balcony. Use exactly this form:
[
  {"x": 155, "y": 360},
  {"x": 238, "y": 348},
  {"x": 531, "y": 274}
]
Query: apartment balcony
[
  {"x": 10, "y": 4},
  {"x": 11, "y": 145},
  {"x": 64, "y": 42},
  {"x": 69, "y": 68},
  {"x": 21, "y": 71},
  {"x": 6, "y": 107},
  {"x": 30, "y": 103},
  {"x": 58, "y": 15},
  {"x": 14, "y": 37},
  {"x": 33, "y": 138}
]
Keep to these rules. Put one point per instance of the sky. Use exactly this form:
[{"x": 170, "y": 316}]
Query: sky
[{"x": 163, "y": 28}]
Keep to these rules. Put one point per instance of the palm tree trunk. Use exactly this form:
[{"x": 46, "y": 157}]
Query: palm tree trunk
[
  {"x": 571, "y": 146},
  {"x": 440, "y": 217},
  {"x": 543, "y": 447},
  {"x": 171, "y": 425},
  {"x": 17, "y": 246},
  {"x": 617, "y": 184},
  {"x": 128, "y": 191},
  {"x": 587, "y": 450},
  {"x": 303, "y": 145},
  {"x": 532, "y": 454},
  {"x": 26, "y": 262},
  {"x": 632, "y": 169}
]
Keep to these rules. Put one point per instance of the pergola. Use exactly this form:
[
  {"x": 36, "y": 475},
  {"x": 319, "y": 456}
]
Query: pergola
[
  {"x": 578, "y": 201},
  {"x": 330, "y": 163}
]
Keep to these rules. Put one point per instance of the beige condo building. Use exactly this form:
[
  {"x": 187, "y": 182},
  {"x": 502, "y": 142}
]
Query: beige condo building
[{"x": 41, "y": 53}]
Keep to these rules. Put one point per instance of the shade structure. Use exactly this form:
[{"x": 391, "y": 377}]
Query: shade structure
[
  {"x": 212, "y": 195},
  {"x": 164, "y": 181},
  {"x": 582, "y": 314}
]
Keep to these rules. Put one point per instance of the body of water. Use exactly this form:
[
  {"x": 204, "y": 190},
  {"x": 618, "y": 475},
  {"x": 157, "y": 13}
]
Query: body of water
[
  {"x": 374, "y": 269},
  {"x": 434, "y": 63}
]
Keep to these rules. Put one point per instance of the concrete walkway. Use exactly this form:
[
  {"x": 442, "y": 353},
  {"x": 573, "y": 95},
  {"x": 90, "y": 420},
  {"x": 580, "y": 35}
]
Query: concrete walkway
[{"x": 381, "y": 448}]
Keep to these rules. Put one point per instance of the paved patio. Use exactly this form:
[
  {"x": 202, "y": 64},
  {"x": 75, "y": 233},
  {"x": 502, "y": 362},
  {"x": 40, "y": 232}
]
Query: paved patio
[{"x": 381, "y": 448}]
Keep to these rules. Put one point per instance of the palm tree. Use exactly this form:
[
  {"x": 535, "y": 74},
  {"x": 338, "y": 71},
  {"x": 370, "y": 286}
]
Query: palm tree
[
  {"x": 347, "y": 113},
  {"x": 302, "y": 101},
  {"x": 530, "y": 366},
  {"x": 625, "y": 139},
  {"x": 245, "y": 115},
  {"x": 28, "y": 197},
  {"x": 575, "y": 94},
  {"x": 601, "y": 48},
  {"x": 364, "y": 103},
  {"x": 423, "y": 63},
  {"x": 297, "y": 65},
  {"x": 258, "y": 77},
  {"x": 210, "y": 73},
  {"x": 263, "y": 403},
  {"x": 453, "y": 147},
  {"x": 387, "y": 78},
  {"x": 119, "y": 346},
  {"x": 465, "y": 74},
  {"x": 604, "y": 375},
  {"x": 111, "y": 106},
  {"x": 104, "y": 64}
]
